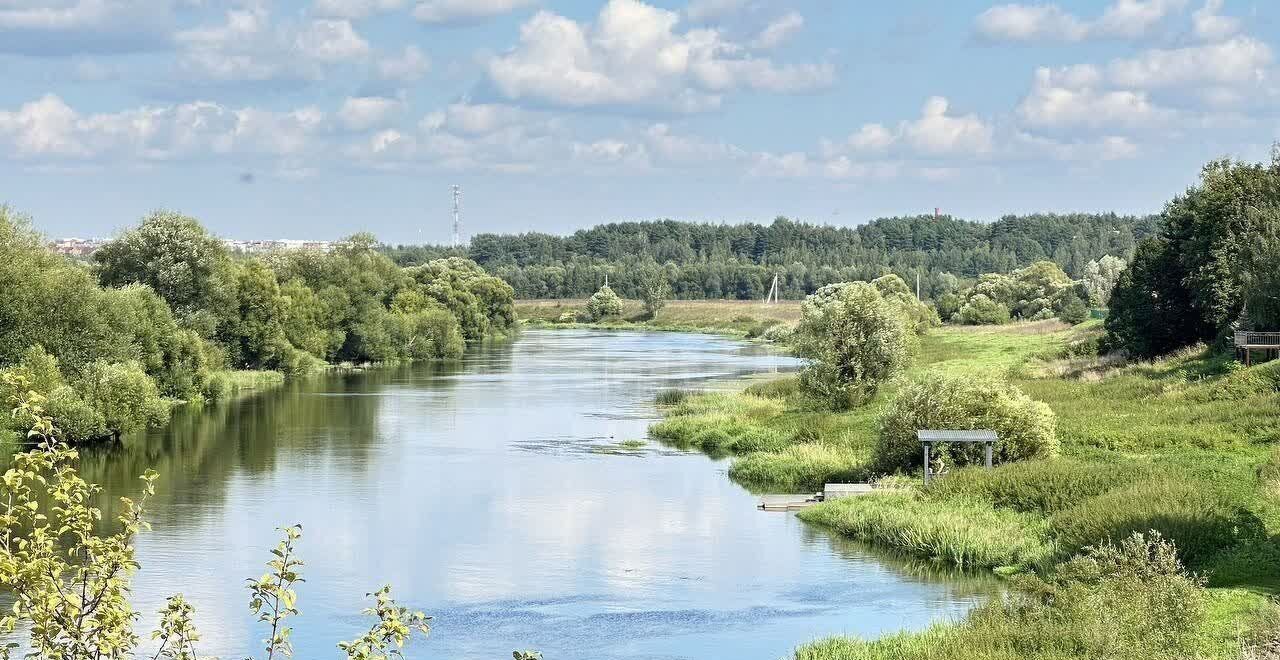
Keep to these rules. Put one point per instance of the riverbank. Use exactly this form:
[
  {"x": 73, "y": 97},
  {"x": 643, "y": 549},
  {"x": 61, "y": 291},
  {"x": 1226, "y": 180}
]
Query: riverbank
[
  {"x": 1182, "y": 445},
  {"x": 736, "y": 318}
]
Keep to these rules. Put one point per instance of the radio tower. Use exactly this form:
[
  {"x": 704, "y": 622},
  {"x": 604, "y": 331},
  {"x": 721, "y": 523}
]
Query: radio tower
[{"x": 457, "y": 216}]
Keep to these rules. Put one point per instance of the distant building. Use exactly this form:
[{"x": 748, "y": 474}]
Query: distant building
[
  {"x": 77, "y": 247},
  {"x": 83, "y": 247}
]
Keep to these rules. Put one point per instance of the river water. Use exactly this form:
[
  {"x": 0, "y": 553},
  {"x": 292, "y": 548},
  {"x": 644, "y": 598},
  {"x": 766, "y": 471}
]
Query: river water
[{"x": 494, "y": 495}]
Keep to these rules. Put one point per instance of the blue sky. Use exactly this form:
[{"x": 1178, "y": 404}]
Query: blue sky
[{"x": 323, "y": 117}]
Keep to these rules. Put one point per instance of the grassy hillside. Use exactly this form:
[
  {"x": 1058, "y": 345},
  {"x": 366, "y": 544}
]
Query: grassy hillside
[{"x": 1185, "y": 445}]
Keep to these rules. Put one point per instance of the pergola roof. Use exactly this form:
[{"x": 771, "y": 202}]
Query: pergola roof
[{"x": 956, "y": 436}]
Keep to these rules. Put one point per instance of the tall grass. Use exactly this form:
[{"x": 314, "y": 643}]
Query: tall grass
[
  {"x": 800, "y": 468},
  {"x": 961, "y": 533},
  {"x": 1127, "y": 602},
  {"x": 1200, "y": 521},
  {"x": 1045, "y": 486}
]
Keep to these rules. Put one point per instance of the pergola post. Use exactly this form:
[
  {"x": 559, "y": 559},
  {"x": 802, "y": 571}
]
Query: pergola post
[
  {"x": 926, "y": 463},
  {"x": 988, "y": 452}
]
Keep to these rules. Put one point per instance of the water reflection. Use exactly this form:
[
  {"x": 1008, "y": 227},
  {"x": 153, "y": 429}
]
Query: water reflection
[{"x": 493, "y": 494}]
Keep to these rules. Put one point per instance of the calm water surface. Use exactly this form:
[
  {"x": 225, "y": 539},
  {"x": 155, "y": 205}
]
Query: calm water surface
[{"x": 492, "y": 495}]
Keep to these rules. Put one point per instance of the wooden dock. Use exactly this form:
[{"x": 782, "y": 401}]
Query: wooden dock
[{"x": 797, "y": 501}]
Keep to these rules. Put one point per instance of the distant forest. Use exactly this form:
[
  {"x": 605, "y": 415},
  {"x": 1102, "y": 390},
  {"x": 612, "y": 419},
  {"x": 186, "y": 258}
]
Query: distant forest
[{"x": 703, "y": 260}]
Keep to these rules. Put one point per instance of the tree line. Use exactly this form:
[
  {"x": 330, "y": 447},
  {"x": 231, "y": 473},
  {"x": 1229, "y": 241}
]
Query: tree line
[
  {"x": 716, "y": 261},
  {"x": 164, "y": 313}
]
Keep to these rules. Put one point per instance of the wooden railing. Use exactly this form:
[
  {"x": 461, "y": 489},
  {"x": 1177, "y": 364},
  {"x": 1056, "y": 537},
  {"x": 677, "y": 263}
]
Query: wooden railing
[{"x": 1259, "y": 339}]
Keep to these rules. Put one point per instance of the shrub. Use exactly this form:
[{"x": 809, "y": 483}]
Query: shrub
[
  {"x": 124, "y": 395},
  {"x": 854, "y": 340},
  {"x": 1199, "y": 521},
  {"x": 603, "y": 304},
  {"x": 982, "y": 310},
  {"x": 77, "y": 419},
  {"x": 1026, "y": 428},
  {"x": 962, "y": 533},
  {"x": 777, "y": 333}
]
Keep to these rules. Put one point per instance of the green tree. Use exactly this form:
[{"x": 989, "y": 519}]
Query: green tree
[
  {"x": 169, "y": 252},
  {"x": 854, "y": 340},
  {"x": 1100, "y": 277},
  {"x": 654, "y": 290}
]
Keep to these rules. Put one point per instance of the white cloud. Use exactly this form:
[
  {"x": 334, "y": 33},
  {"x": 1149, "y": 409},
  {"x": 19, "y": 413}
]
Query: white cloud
[
  {"x": 1106, "y": 148},
  {"x": 1015, "y": 22},
  {"x": 248, "y": 47},
  {"x": 410, "y": 66},
  {"x": 1072, "y": 97},
  {"x": 462, "y": 11},
  {"x": 1122, "y": 19},
  {"x": 1209, "y": 25},
  {"x": 48, "y": 128},
  {"x": 1135, "y": 18},
  {"x": 362, "y": 113},
  {"x": 54, "y": 27},
  {"x": 355, "y": 9},
  {"x": 779, "y": 31},
  {"x": 634, "y": 55},
  {"x": 938, "y": 133},
  {"x": 1241, "y": 60}
]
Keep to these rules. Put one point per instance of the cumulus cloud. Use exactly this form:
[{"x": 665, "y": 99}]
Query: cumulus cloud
[
  {"x": 45, "y": 27},
  {"x": 247, "y": 46},
  {"x": 1029, "y": 23},
  {"x": 634, "y": 54},
  {"x": 49, "y": 129},
  {"x": 1240, "y": 60},
  {"x": 464, "y": 11},
  {"x": 1122, "y": 19},
  {"x": 938, "y": 133},
  {"x": 1073, "y": 96}
]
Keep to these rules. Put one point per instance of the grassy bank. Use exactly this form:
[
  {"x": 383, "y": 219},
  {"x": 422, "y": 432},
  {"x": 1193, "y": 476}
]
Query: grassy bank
[
  {"x": 732, "y": 317},
  {"x": 1185, "y": 445}
]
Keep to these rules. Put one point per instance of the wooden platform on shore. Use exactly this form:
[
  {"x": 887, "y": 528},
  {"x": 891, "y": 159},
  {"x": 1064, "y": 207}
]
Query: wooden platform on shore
[{"x": 795, "y": 502}]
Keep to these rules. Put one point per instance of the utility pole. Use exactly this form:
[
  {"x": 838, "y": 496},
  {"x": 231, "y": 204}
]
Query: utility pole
[
  {"x": 457, "y": 216},
  {"x": 917, "y": 283}
]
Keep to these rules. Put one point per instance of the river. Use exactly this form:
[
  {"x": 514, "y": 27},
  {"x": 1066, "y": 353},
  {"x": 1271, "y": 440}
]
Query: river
[{"x": 495, "y": 496}]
